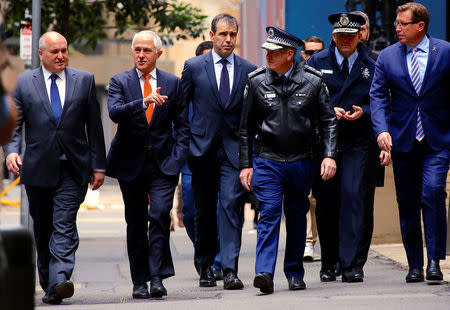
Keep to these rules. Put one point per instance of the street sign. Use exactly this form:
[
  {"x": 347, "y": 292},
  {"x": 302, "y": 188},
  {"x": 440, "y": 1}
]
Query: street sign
[{"x": 25, "y": 43}]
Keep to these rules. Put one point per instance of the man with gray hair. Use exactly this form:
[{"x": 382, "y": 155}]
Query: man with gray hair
[{"x": 150, "y": 147}]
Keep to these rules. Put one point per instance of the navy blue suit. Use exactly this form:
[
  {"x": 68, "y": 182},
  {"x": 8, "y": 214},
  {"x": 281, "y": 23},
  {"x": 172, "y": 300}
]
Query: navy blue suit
[
  {"x": 420, "y": 169},
  {"x": 56, "y": 187},
  {"x": 342, "y": 212},
  {"x": 146, "y": 159},
  {"x": 213, "y": 159}
]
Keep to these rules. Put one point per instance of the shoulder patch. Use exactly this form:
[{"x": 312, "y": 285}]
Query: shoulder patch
[
  {"x": 315, "y": 71},
  {"x": 257, "y": 71}
]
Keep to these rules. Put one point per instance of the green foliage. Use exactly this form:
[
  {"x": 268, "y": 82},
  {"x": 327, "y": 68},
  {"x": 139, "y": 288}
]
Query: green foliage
[{"x": 85, "y": 22}]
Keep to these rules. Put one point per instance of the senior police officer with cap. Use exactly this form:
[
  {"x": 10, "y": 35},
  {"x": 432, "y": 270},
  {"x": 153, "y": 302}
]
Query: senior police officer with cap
[
  {"x": 341, "y": 211},
  {"x": 285, "y": 110}
]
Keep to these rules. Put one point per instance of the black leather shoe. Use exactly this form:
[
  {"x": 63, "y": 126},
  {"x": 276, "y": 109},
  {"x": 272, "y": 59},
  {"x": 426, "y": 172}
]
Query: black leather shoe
[
  {"x": 327, "y": 276},
  {"x": 140, "y": 291},
  {"x": 157, "y": 289},
  {"x": 351, "y": 276},
  {"x": 414, "y": 275},
  {"x": 360, "y": 270},
  {"x": 264, "y": 281},
  {"x": 296, "y": 283},
  {"x": 53, "y": 300},
  {"x": 338, "y": 269},
  {"x": 434, "y": 271},
  {"x": 231, "y": 281},
  {"x": 58, "y": 292},
  {"x": 217, "y": 273},
  {"x": 207, "y": 278}
]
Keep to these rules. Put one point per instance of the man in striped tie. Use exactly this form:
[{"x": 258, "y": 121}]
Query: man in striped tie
[{"x": 411, "y": 117}]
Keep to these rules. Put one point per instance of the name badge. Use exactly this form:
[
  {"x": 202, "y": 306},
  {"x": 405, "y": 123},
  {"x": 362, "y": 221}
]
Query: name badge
[
  {"x": 300, "y": 95},
  {"x": 324, "y": 71},
  {"x": 270, "y": 95}
]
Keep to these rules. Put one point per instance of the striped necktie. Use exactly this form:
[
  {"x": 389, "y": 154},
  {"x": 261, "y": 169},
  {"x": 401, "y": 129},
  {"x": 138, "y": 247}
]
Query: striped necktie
[{"x": 417, "y": 83}]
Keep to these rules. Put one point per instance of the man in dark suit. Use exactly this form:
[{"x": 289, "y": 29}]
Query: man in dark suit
[
  {"x": 64, "y": 150},
  {"x": 150, "y": 147},
  {"x": 411, "y": 117},
  {"x": 342, "y": 209},
  {"x": 214, "y": 84}
]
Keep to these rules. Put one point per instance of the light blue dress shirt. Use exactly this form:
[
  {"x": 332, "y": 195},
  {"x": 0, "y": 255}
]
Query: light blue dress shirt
[
  {"x": 422, "y": 56},
  {"x": 351, "y": 59}
]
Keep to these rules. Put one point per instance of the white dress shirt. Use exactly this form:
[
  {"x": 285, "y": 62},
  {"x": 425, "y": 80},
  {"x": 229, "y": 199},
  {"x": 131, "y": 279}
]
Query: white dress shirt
[
  {"x": 60, "y": 82},
  {"x": 152, "y": 80},
  {"x": 218, "y": 68}
]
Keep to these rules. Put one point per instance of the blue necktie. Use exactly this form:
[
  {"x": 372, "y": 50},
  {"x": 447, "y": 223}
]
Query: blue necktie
[
  {"x": 224, "y": 89},
  {"x": 54, "y": 99},
  {"x": 417, "y": 83}
]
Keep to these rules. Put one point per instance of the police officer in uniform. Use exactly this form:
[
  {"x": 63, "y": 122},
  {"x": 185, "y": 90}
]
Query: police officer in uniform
[
  {"x": 341, "y": 209},
  {"x": 285, "y": 109}
]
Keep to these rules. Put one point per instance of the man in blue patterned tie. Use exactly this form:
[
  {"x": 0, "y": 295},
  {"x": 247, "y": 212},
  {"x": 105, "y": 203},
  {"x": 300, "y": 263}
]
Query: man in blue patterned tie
[{"x": 411, "y": 117}]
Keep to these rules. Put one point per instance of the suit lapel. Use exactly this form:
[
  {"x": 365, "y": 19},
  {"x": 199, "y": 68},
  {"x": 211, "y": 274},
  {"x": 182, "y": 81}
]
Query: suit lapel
[
  {"x": 71, "y": 84},
  {"x": 209, "y": 67},
  {"x": 404, "y": 64},
  {"x": 432, "y": 54},
  {"x": 160, "y": 82},
  {"x": 134, "y": 86},
  {"x": 41, "y": 90},
  {"x": 236, "y": 79}
]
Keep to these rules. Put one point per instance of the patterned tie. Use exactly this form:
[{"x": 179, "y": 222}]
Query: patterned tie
[
  {"x": 417, "y": 83},
  {"x": 345, "y": 67},
  {"x": 54, "y": 99},
  {"x": 148, "y": 91},
  {"x": 224, "y": 89}
]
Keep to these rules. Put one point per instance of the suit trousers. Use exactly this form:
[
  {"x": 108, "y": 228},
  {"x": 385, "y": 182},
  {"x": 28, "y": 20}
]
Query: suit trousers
[
  {"x": 148, "y": 227},
  {"x": 54, "y": 212},
  {"x": 420, "y": 179},
  {"x": 277, "y": 183},
  {"x": 215, "y": 178}
]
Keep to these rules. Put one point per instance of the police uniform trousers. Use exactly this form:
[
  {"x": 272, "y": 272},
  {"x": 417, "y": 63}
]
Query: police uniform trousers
[
  {"x": 343, "y": 208},
  {"x": 277, "y": 184},
  {"x": 148, "y": 227},
  {"x": 420, "y": 178}
]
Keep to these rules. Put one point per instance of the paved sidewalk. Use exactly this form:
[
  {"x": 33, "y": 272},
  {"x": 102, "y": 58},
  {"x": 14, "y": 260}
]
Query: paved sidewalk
[{"x": 102, "y": 279}]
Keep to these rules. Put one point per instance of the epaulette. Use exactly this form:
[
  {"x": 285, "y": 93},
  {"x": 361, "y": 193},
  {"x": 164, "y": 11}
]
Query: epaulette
[
  {"x": 315, "y": 71},
  {"x": 257, "y": 71}
]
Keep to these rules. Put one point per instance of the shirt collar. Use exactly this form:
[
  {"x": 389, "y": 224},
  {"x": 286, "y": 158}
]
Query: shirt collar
[
  {"x": 288, "y": 73},
  {"x": 423, "y": 46},
  {"x": 217, "y": 58},
  {"x": 152, "y": 73},
  {"x": 47, "y": 74},
  {"x": 340, "y": 58}
]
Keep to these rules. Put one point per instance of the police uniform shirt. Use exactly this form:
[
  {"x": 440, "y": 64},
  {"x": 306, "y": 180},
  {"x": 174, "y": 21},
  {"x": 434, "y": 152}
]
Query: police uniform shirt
[{"x": 351, "y": 59}]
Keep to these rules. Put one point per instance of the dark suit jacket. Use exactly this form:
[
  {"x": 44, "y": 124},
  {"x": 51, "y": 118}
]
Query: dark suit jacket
[
  {"x": 79, "y": 134},
  {"x": 167, "y": 134},
  {"x": 210, "y": 119},
  {"x": 394, "y": 101}
]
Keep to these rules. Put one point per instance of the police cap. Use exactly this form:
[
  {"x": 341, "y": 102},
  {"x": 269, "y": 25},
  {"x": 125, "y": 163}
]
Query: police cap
[
  {"x": 278, "y": 39},
  {"x": 346, "y": 22}
]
